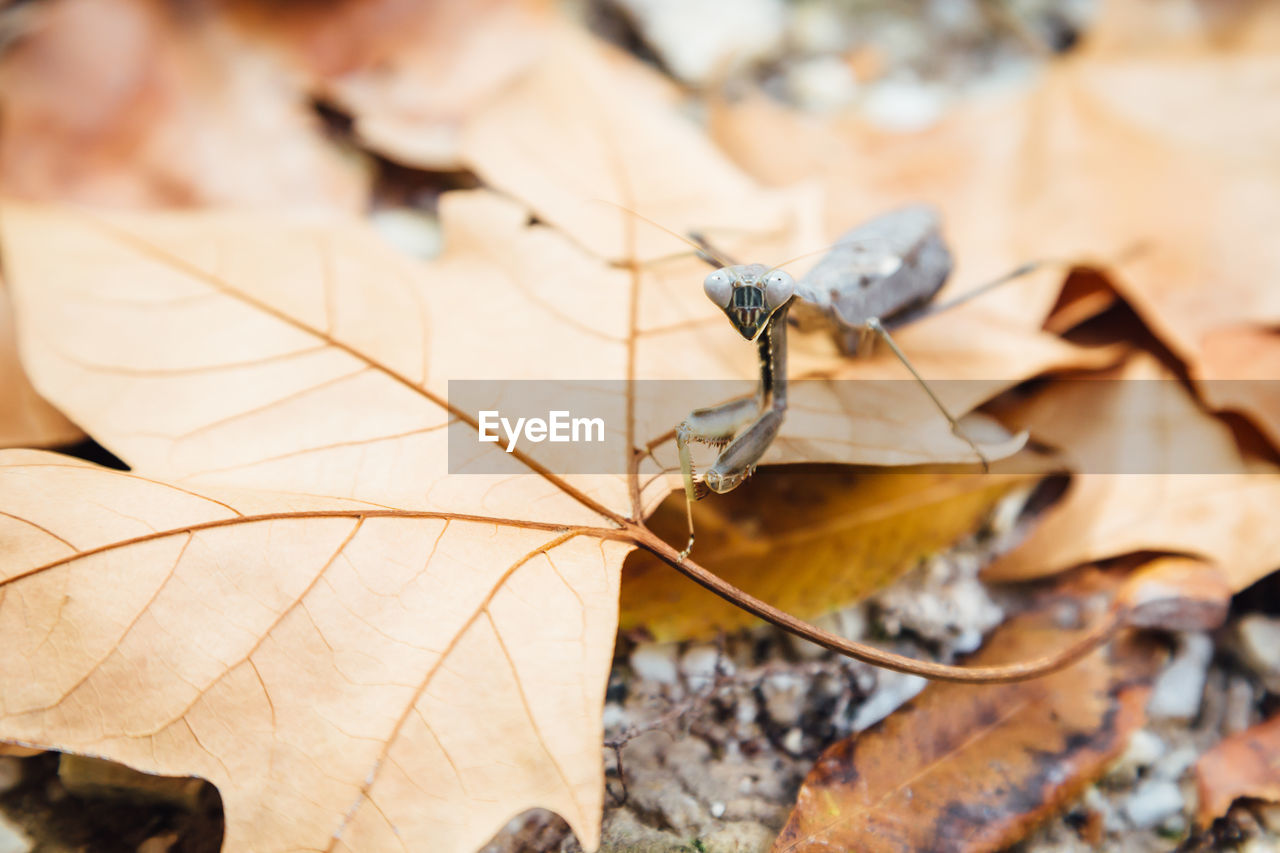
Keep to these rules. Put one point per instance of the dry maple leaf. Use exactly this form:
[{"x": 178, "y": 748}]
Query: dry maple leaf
[
  {"x": 345, "y": 674},
  {"x": 966, "y": 768},
  {"x": 281, "y": 383},
  {"x": 26, "y": 420},
  {"x": 131, "y": 102},
  {"x": 1218, "y": 516}
]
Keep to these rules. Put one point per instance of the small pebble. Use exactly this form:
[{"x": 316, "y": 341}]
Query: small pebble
[
  {"x": 816, "y": 27},
  {"x": 1174, "y": 764},
  {"x": 717, "y": 809},
  {"x": 699, "y": 665},
  {"x": 959, "y": 16},
  {"x": 892, "y": 690},
  {"x": 784, "y": 697},
  {"x": 1258, "y": 845},
  {"x": 681, "y": 810},
  {"x": 698, "y": 41},
  {"x": 1145, "y": 748},
  {"x": 903, "y": 106},
  {"x": 414, "y": 232},
  {"x": 655, "y": 662},
  {"x": 822, "y": 84},
  {"x": 159, "y": 843},
  {"x": 13, "y": 839},
  {"x": 1153, "y": 802},
  {"x": 1238, "y": 711},
  {"x": 1178, "y": 690},
  {"x": 1258, "y": 640},
  {"x": 615, "y": 717},
  {"x": 1174, "y": 825},
  {"x": 1094, "y": 801},
  {"x": 793, "y": 741}
]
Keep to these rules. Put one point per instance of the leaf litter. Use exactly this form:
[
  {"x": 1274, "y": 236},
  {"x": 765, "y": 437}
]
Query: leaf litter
[{"x": 232, "y": 444}]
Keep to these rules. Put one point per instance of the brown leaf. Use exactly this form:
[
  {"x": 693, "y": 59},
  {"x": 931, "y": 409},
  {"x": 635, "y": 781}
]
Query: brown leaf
[
  {"x": 410, "y": 73},
  {"x": 26, "y": 420},
  {"x": 1246, "y": 764},
  {"x": 970, "y": 768},
  {"x": 807, "y": 541},
  {"x": 128, "y": 102},
  {"x": 342, "y": 672},
  {"x": 1176, "y": 594},
  {"x": 1221, "y": 517},
  {"x": 1237, "y": 371}
]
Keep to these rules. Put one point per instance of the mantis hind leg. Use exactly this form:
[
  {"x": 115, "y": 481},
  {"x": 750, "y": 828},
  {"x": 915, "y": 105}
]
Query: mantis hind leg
[{"x": 715, "y": 426}]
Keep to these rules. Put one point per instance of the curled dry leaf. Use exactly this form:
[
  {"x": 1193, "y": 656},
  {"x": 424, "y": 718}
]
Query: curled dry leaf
[
  {"x": 808, "y": 541},
  {"x": 1220, "y": 514},
  {"x": 131, "y": 102},
  {"x": 1237, "y": 371},
  {"x": 973, "y": 768},
  {"x": 1176, "y": 594},
  {"x": 26, "y": 420},
  {"x": 1246, "y": 764}
]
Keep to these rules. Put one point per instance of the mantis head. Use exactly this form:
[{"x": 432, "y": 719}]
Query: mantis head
[{"x": 749, "y": 294}]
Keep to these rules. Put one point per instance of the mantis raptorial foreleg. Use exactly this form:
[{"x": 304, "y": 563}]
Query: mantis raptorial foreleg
[
  {"x": 716, "y": 426},
  {"x": 761, "y": 415}
]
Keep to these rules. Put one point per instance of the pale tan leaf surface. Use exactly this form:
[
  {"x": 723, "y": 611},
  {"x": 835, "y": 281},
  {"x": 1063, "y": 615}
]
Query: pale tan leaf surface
[
  {"x": 131, "y": 103},
  {"x": 411, "y": 74},
  {"x": 1237, "y": 371},
  {"x": 336, "y": 669},
  {"x": 26, "y": 420},
  {"x": 306, "y": 355},
  {"x": 1222, "y": 517},
  {"x": 587, "y": 125},
  {"x": 1103, "y": 157},
  {"x": 271, "y": 353},
  {"x": 962, "y": 166},
  {"x": 1134, "y": 26}
]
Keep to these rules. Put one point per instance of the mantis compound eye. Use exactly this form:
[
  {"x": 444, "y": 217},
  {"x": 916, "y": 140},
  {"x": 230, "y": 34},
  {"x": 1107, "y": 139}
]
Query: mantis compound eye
[
  {"x": 778, "y": 288},
  {"x": 718, "y": 287}
]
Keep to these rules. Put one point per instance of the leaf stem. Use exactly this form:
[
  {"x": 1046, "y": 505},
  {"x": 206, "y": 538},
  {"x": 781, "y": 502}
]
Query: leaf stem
[{"x": 1102, "y": 631}]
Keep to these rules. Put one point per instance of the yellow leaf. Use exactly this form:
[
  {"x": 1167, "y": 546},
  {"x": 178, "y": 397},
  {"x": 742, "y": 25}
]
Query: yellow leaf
[{"x": 806, "y": 540}]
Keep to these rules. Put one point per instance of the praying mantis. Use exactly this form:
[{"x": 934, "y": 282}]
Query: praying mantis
[{"x": 880, "y": 274}]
